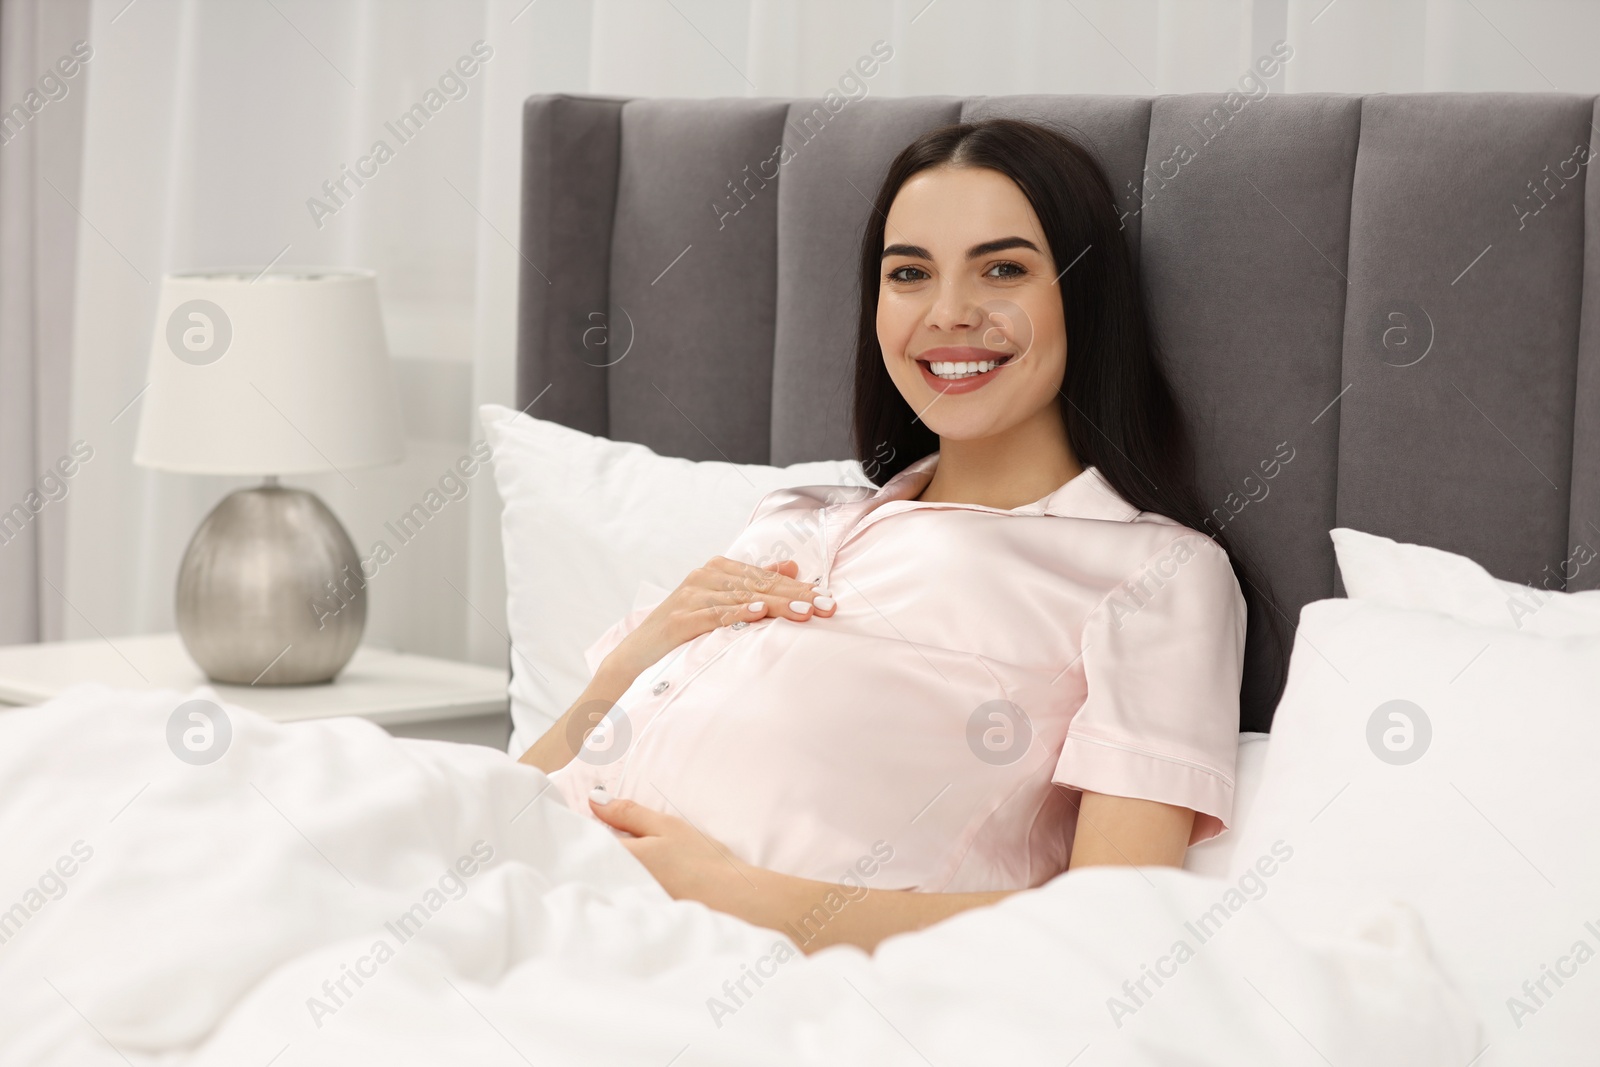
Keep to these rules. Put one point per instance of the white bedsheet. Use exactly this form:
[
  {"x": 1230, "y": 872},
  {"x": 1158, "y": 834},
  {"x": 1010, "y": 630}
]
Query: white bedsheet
[{"x": 215, "y": 902}]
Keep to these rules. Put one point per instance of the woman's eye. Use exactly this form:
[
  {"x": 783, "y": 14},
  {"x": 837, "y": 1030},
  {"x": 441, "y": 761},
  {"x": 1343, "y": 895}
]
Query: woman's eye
[
  {"x": 907, "y": 274},
  {"x": 1007, "y": 270}
]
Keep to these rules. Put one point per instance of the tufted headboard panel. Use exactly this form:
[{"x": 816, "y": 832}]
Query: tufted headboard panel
[{"x": 1404, "y": 290}]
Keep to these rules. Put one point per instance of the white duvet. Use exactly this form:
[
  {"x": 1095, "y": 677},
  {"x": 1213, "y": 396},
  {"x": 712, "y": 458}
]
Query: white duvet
[{"x": 324, "y": 893}]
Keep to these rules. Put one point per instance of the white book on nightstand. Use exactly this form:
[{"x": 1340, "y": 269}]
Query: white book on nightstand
[{"x": 410, "y": 696}]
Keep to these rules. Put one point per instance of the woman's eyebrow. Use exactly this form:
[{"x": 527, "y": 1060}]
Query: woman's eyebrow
[
  {"x": 1000, "y": 246},
  {"x": 984, "y": 249}
]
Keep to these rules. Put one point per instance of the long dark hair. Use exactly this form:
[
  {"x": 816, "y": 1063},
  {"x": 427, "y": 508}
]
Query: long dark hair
[{"x": 1120, "y": 411}]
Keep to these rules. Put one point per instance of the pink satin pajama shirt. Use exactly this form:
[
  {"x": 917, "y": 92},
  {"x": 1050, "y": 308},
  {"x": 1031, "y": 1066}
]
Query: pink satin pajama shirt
[{"x": 983, "y": 666}]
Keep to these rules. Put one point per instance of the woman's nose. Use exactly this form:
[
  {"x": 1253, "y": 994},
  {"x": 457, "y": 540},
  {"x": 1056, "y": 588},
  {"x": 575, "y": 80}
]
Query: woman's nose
[{"x": 954, "y": 308}]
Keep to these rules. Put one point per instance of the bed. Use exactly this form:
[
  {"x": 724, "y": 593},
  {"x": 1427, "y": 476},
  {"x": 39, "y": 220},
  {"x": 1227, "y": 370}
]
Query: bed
[{"x": 1325, "y": 271}]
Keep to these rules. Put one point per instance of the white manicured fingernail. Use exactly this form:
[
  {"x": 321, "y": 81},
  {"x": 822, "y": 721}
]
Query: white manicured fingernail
[
  {"x": 802, "y": 606},
  {"x": 825, "y": 603},
  {"x": 757, "y": 607},
  {"x": 599, "y": 795}
]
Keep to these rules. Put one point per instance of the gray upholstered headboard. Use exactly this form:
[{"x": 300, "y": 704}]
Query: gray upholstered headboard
[{"x": 1405, "y": 289}]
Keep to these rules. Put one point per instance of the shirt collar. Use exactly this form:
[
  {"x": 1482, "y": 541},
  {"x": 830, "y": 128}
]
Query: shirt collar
[{"x": 1086, "y": 495}]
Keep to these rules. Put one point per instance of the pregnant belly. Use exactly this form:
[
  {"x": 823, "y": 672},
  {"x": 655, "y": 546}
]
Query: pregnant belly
[{"x": 805, "y": 749}]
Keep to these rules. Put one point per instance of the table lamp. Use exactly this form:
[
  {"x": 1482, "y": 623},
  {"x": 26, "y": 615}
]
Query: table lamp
[{"x": 270, "y": 374}]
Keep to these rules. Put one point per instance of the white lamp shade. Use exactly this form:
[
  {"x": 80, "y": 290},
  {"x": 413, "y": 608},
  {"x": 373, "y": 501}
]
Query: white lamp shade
[{"x": 282, "y": 373}]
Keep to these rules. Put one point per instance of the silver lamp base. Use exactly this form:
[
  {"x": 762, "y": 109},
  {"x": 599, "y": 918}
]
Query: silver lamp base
[{"x": 270, "y": 590}]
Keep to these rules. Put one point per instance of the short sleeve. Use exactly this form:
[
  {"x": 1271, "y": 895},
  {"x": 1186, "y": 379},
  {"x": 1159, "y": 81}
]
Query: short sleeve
[{"x": 1162, "y": 656}]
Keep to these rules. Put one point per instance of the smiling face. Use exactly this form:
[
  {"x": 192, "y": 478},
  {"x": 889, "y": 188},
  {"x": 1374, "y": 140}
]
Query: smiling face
[{"x": 969, "y": 312}]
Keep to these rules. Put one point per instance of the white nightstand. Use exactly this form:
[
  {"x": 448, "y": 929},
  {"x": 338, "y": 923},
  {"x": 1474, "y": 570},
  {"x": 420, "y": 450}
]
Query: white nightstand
[{"x": 410, "y": 696}]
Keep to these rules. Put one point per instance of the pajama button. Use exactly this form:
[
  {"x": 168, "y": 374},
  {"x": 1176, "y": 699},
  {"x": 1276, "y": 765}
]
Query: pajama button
[
  {"x": 741, "y": 624},
  {"x": 659, "y": 687}
]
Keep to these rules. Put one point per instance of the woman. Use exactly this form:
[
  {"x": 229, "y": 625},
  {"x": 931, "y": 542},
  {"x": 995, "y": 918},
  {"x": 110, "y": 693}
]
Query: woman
[{"x": 1020, "y": 653}]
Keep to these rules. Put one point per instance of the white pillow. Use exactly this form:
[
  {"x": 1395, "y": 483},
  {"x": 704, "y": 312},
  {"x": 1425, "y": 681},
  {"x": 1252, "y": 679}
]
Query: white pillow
[
  {"x": 591, "y": 527},
  {"x": 1213, "y": 857},
  {"x": 1431, "y": 579},
  {"x": 1488, "y": 832}
]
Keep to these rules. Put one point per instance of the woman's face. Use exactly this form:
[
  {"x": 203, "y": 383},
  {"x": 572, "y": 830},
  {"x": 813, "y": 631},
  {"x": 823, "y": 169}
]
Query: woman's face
[{"x": 968, "y": 284}]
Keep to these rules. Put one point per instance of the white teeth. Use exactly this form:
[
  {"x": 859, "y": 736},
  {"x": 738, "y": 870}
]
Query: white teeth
[{"x": 954, "y": 371}]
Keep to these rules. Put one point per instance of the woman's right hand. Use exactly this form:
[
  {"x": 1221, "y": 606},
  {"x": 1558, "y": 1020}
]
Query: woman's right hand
[{"x": 721, "y": 593}]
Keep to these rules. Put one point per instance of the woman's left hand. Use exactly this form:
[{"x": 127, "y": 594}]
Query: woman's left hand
[
  {"x": 688, "y": 864},
  {"x": 691, "y": 866}
]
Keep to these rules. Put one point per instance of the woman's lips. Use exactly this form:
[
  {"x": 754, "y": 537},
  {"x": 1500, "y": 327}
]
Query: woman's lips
[{"x": 959, "y": 385}]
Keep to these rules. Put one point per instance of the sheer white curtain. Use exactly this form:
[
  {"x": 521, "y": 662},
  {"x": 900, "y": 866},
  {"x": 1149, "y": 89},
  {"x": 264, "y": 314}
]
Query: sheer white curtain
[
  {"x": 40, "y": 139},
  {"x": 209, "y": 124}
]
